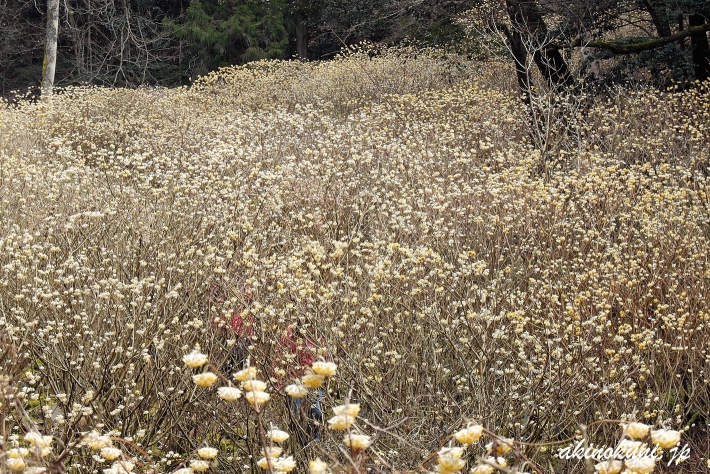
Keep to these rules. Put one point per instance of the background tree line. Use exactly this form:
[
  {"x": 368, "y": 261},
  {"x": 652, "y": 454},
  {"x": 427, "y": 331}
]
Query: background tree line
[{"x": 165, "y": 42}]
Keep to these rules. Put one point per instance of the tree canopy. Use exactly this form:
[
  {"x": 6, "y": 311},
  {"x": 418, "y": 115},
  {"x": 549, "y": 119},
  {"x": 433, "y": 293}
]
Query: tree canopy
[{"x": 166, "y": 42}]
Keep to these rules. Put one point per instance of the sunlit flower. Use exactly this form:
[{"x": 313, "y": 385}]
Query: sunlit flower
[
  {"x": 449, "y": 460},
  {"x": 325, "y": 369},
  {"x": 357, "y": 442},
  {"x": 15, "y": 464},
  {"x": 277, "y": 436},
  {"x": 640, "y": 465},
  {"x": 96, "y": 441},
  {"x": 313, "y": 380},
  {"x": 483, "y": 469},
  {"x": 316, "y": 466},
  {"x": 469, "y": 434},
  {"x": 184, "y": 470},
  {"x": 452, "y": 451},
  {"x": 18, "y": 453},
  {"x": 254, "y": 386},
  {"x": 246, "y": 374},
  {"x": 264, "y": 462},
  {"x": 631, "y": 448},
  {"x": 199, "y": 465},
  {"x": 207, "y": 452},
  {"x": 636, "y": 430},
  {"x": 195, "y": 359},
  {"x": 204, "y": 379},
  {"x": 256, "y": 399},
  {"x": 350, "y": 409},
  {"x": 229, "y": 393},
  {"x": 296, "y": 391},
  {"x": 271, "y": 451},
  {"x": 502, "y": 446},
  {"x": 38, "y": 440},
  {"x": 285, "y": 464},
  {"x": 110, "y": 453},
  {"x": 611, "y": 466},
  {"x": 341, "y": 422},
  {"x": 666, "y": 439}
]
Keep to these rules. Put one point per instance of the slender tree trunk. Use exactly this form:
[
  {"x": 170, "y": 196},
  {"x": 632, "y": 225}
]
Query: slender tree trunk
[
  {"x": 50, "y": 47},
  {"x": 301, "y": 37},
  {"x": 701, "y": 48},
  {"x": 520, "y": 56},
  {"x": 681, "y": 26}
]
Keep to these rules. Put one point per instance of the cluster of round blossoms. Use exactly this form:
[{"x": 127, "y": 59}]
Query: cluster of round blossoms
[
  {"x": 104, "y": 445},
  {"x": 449, "y": 458},
  {"x": 40, "y": 446},
  {"x": 253, "y": 389},
  {"x": 314, "y": 378},
  {"x": 639, "y": 457},
  {"x": 206, "y": 455},
  {"x": 272, "y": 458}
]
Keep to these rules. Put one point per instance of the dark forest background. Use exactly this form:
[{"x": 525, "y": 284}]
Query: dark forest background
[{"x": 168, "y": 42}]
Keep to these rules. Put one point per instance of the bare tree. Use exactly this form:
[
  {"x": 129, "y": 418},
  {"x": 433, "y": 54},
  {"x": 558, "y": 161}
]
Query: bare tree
[{"x": 50, "y": 47}]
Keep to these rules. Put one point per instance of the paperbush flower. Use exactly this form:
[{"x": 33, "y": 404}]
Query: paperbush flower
[
  {"x": 264, "y": 462},
  {"x": 195, "y": 359},
  {"x": 357, "y": 442},
  {"x": 316, "y": 466},
  {"x": 199, "y": 465},
  {"x": 254, "y": 386},
  {"x": 246, "y": 374},
  {"x": 15, "y": 464},
  {"x": 256, "y": 399},
  {"x": 631, "y": 448},
  {"x": 205, "y": 379},
  {"x": 483, "y": 469},
  {"x": 277, "y": 436},
  {"x": 636, "y": 430},
  {"x": 469, "y": 435},
  {"x": 96, "y": 441},
  {"x": 38, "y": 440},
  {"x": 666, "y": 439},
  {"x": 296, "y": 391},
  {"x": 229, "y": 393},
  {"x": 611, "y": 466},
  {"x": 449, "y": 459},
  {"x": 313, "y": 380},
  {"x": 341, "y": 422},
  {"x": 110, "y": 453},
  {"x": 17, "y": 453},
  {"x": 285, "y": 465},
  {"x": 351, "y": 409},
  {"x": 325, "y": 369},
  {"x": 207, "y": 452},
  {"x": 502, "y": 446},
  {"x": 640, "y": 465},
  {"x": 271, "y": 452}
]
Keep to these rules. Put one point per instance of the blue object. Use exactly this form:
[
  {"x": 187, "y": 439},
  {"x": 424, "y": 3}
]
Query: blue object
[{"x": 315, "y": 413}]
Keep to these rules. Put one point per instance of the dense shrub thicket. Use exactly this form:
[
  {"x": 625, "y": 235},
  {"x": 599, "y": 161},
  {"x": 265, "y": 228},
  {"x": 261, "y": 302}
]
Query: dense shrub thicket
[{"x": 392, "y": 210}]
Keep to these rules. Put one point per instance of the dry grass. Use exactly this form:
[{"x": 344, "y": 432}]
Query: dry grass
[{"x": 391, "y": 207}]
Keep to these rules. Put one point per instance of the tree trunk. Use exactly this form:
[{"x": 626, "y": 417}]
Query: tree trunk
[
  {"x": 301, "y": 37},
  {"x": 659, "y": 15},
  {"x": 520, "y": 56},
  {"x": 527, "y": 20},
  {"x": 701, "y": 49},
  {"x": 50, "y": 47}
]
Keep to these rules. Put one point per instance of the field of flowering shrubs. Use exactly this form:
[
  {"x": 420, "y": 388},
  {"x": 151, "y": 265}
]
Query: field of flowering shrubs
[{"x": 468, "y": 274}]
